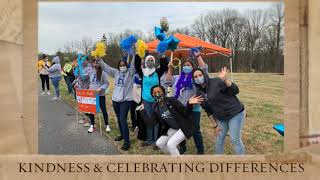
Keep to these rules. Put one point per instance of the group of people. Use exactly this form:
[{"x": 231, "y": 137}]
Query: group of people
[{"x": 167, "y": 112}]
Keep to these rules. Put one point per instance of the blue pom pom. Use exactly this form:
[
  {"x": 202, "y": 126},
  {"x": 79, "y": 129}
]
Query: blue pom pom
[
  {"x": 159, "y": 33},
  {"x": 162, "y": 47},
  {"x": 127, "y": 44}
]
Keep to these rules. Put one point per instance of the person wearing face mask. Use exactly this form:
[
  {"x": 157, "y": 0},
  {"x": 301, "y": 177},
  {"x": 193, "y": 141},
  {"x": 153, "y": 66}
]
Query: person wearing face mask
[
  {"x": 218, "y": 98},
  {"x": 150, "y": 76},
  {"x": 174, "y": 118},
  {"x": 183, "y": 89},
  {"x": 122, "y": 95},
  {"x": 99, "y": 82}
]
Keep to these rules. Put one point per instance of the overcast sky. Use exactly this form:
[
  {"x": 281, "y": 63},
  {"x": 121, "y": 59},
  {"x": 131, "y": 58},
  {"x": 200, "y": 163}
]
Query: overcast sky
[{"x": 60, "y": 22}]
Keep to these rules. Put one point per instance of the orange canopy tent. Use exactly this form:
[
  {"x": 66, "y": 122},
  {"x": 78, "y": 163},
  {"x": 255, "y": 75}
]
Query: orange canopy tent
[{"x": 188, "y": 42}]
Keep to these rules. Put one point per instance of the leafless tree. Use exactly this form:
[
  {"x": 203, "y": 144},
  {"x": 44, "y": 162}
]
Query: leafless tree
[
  {"x": 85, "y": 44},
  {"x": 199, "y": 27}
]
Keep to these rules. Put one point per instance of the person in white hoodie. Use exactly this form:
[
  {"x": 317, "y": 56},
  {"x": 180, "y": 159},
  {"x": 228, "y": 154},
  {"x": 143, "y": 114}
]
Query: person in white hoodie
[{"x": 55, "y": 76}]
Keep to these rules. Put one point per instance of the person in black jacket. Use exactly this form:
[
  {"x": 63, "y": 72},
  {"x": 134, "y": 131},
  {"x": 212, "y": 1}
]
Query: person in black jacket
[
  {"x": 222, "y": 106},
  {"x": 175, "y": 120}
]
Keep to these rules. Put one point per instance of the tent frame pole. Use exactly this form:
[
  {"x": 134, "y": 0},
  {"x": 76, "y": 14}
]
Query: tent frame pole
[{"x": 231, "y": 70}]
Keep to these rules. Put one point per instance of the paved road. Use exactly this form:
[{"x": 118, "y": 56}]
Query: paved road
[{"x": 59, "y": 133}]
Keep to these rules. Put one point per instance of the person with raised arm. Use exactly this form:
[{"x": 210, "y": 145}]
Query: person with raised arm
[
  {"x": 122, "y": 94},
  {"x": 218, "y": 98}
]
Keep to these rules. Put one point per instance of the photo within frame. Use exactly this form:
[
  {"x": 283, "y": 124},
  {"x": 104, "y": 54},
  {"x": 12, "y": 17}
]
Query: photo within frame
[{"x": 147, "y": 96}]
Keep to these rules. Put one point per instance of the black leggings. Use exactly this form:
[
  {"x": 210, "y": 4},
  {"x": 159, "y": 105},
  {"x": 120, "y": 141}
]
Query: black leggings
[
  {"x": 44, "y": 80},
  {"x": 134, "y": 115},
  {"x": 102, "y": 101}
]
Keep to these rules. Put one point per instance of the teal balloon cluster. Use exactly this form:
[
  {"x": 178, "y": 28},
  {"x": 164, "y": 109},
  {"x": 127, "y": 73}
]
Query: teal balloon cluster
[{"x": 170, "y": 43}]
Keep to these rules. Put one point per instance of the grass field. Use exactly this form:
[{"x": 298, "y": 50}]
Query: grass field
[{"x": 262, "y": 95}]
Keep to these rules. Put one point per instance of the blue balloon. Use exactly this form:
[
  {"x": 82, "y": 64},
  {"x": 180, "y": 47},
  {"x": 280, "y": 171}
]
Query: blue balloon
[
  {"x": 159, "y": 33},
  {"x": 172, "y": 43},
  {"x": 162, "y": 47}
]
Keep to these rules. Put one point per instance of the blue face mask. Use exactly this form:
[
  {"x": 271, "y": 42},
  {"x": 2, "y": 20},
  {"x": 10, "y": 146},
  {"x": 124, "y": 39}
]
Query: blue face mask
[
  {"x": 199, "y": 80},
  {"x": 187, "y": 69}
]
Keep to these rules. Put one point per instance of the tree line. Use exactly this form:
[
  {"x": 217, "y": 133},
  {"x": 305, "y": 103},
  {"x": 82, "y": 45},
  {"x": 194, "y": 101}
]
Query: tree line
[{"x": 256, "y": 38}]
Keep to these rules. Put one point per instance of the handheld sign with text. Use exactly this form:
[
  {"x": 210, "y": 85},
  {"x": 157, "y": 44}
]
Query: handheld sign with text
[{"x": 88, "y": 101}]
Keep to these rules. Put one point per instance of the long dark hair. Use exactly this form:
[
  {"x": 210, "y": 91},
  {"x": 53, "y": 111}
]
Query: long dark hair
[{"x": 99, "y": 73}]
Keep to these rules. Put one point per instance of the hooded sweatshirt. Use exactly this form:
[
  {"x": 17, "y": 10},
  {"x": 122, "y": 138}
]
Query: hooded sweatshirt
[
  {"x": 219, "y": 100},
  {"x": 103, "y": 83},
  {"x": 123, "y": 81},
  {"x": 55, "y": 69}
]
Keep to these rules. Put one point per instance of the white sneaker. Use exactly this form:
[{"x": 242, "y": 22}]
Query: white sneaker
[
  {"x": 91, "y": 129},
  {"x": 54, "y": 98},
  {"x": 108, "y": 128},
  {"x": 48, "y": 93},
  {"x": 43, "y": 93}
]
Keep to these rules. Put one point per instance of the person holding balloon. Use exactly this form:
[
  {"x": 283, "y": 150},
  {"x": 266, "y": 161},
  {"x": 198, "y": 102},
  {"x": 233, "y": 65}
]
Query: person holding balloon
[{"x": 183, "y": 89}]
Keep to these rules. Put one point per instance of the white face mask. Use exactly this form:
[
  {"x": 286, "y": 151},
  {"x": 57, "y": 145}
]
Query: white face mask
[{"x": 123, "y": 69}]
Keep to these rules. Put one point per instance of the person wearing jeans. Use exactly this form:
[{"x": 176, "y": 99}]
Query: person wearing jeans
[
  {"x": 55, "y": 82},
  {"x": 153, "y": 130},
  {"x": 68, "y": 76},
  {"x": 150, "y": 76},
  {"x": 122, "y": 95},
  {"x": 121, "y": 110},
  {"x": 183, "y": 89},
  {"x": 220, "y": 102},
  {"x": 234, "y": 126},
  {"x": 55, "y": 76}
]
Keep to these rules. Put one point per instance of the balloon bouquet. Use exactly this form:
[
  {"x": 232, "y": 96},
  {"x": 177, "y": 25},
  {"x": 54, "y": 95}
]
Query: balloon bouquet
[{"x": 167, "y": 43}]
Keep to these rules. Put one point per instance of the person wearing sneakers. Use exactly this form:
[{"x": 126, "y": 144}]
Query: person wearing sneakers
[
  {"x": 55, "y": 76},
  {"x": 122, "y": 95},
  {"x": 183, "y": 88},
  {"x": 43, "y": 65},
  {"x": 83, "y": 82},
  {"x": 99, "y": 82}
]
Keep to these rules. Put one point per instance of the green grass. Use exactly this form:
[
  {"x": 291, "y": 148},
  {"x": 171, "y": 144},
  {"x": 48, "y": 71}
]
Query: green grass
[{"x": 262, "y": 95}]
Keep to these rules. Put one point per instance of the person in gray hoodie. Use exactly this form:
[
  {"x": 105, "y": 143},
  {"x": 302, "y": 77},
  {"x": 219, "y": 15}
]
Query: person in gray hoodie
[
  {"x": 99, "y": 82},
  {"x": 55, "y": 75},
  {"x": 122, "y": 95}
]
